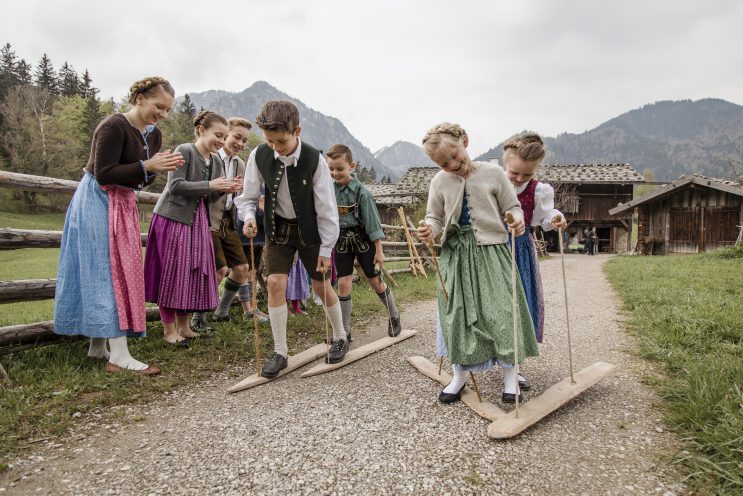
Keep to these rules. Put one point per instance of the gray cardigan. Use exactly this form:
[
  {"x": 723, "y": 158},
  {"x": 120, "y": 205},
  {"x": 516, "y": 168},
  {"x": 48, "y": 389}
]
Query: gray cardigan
[
  {"x": 489, "y": 196},
  {"x": 187, "y": 185}
]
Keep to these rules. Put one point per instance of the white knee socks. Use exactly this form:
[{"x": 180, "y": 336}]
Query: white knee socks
[
  {"x": 120, "y": 355},
  {"x": 459, "y": 380},
  {"x": 336, "y": 321},
  {"x": 278, "y": 317},
  {"x": 97, "y": 348},
  {"x": 510, "y": 380}
]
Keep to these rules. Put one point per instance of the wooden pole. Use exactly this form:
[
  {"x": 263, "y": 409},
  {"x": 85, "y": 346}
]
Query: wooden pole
[
  {"x": 409, "y": 241},
  {"x": 567, "y": 311},
  {"x": 27, "y": 290},
  {"x": 13, "y": 239},
  {"x": 509, "y": 220},
  {"x": 254, "y": 298}
]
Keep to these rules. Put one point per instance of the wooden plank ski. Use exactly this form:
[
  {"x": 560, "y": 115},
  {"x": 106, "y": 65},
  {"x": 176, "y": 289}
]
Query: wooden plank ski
[
  {"x": 485, "y": 409},
  {"x": 553, "y": 398},
  {"x": 293, "y": 363},
  {"x": 360, "y": 352}
]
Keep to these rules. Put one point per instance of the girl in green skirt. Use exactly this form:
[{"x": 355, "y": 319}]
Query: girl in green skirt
[{"x": 467, "y": 202}]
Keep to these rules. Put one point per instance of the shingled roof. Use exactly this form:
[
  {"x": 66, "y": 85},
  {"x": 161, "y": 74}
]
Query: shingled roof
[
  {"x": 391, "y": 194},
  {"x": 682, "y": 181},
  {"x": 417, "y": 179},
  {"x": 590, "y": 174}
]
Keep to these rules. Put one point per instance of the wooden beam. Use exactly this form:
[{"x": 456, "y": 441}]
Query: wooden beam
[
  {"x": 39, "y": 332},
  {"x": 27, "y": 290},
  {"x": 28, "y": 182},
  {"x": 360, "y": 352},
  {"x": 14, "y": 239}
]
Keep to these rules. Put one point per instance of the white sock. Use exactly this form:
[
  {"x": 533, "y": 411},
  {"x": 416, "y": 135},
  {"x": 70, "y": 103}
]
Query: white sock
[
  {"x": 510, "y": 382},
  {"x": 336, "y": 321},
  {"x": 459, "y": 380},
  {"x": 97, "y": 348},
  {"x": 278, "y": 316},
  {"x": 120, "y": 355}
]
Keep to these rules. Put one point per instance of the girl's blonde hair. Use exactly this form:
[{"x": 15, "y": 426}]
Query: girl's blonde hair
[
  {"x": 432, "y": 139},
  {"x": 148, "y": 87},
  {"x": 528, "y": 146}
]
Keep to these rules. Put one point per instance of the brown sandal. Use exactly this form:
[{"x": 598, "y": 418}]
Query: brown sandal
[{"x": 151, "y": 370}]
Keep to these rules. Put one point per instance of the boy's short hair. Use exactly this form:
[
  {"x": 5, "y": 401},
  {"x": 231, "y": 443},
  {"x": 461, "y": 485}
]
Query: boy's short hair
[
  {"x": 278, "y": 115},
  {"x": 239, "y": 121},
  {"x": 337, "y": 151}
]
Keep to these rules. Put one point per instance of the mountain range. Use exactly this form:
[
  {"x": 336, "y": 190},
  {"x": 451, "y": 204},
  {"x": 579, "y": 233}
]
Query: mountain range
[{"x": 669, "y": 137}]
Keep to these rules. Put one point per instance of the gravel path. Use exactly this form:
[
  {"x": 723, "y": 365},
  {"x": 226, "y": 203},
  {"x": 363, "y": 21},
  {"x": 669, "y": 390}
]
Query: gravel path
[{"x": 375, "y": 427}]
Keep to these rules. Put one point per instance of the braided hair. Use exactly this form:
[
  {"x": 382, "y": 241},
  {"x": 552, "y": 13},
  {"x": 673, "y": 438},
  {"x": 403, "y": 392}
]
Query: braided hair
[
  {"x": 528, "y": 146},
  {"x": 207, "y": 118},
  {"x": 432, "y": 140},
  {"x": 148, "y": 87}
]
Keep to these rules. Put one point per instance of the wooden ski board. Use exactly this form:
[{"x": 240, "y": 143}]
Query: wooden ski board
[
  {"x": 293, "y": 363},
  {"x": 553, "y": 398},
  {"x": 485, "y": 409},
  {"x": 360, "y": 352}
]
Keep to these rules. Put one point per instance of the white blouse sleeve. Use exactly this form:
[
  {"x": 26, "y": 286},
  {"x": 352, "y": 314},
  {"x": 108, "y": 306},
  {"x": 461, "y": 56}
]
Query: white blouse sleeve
[{"x": 544, "y": 206}]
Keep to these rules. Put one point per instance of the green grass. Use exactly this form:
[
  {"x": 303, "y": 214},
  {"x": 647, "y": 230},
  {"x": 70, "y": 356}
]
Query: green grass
[
  {"x": 688, "y": 315},
  {"x": 50, "y": 384}
]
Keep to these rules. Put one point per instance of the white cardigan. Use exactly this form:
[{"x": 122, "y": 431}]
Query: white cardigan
[{"x": 489, "y": 196}]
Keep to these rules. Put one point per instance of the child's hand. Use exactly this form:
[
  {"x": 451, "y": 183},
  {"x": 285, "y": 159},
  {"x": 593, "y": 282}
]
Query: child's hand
[
  {"x": 222, "y": 184},
  {"x": 515, "y": 225},
  {"x": 249, "y": 229},
  {"x": 379, "y": 258},
  {"x": 559, "y": 222},
  {"x": 424, "y": 233},
  {"x": 323, "y": 264},
  {"x": 164, "y": 162}
]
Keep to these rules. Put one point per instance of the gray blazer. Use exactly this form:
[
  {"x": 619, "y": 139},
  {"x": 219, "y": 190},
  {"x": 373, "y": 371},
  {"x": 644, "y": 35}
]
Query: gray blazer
[
  {"x": 187, "y": 185},
  {"x": 217, "y": 207}
]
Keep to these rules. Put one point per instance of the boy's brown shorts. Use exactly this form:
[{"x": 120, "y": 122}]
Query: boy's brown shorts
[
  {"x": 228, "y": 251},
  {"x": 278, "y": 255}
]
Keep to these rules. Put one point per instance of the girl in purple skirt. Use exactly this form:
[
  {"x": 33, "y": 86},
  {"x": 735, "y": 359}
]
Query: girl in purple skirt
[{"x": 179, "y": 262}]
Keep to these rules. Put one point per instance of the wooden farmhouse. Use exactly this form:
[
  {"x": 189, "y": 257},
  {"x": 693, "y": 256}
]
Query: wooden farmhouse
[
  {"x": 585, "y": 193},
  {"x": 408, "y": 192},
  {"x": 690, "y": 215}
]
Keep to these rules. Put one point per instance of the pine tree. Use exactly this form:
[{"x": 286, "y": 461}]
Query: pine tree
[
  {"x": 187, "y": 107},
  {"x": 23, "y": 70},
  {"x": 8, "y": 64},
  {"x": 45, "y": 76},
  {"x": 86, "y": 86},
  {"x": 69, "y": 82}
]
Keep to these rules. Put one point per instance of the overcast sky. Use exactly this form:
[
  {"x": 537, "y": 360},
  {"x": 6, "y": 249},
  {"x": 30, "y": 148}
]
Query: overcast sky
[{"x": 389, "y": 70}]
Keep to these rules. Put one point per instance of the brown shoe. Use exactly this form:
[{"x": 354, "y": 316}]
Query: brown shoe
[{"x": 151, "y": 370}]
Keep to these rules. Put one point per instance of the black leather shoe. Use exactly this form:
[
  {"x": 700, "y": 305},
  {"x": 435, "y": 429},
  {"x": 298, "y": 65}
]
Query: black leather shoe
[
  {"x": 275, "y": 365},
  {"x": 393, "y": 327},
  {"x": 200, "y": 325},
  {"x": 451, "y": 397},
  {"x": 510, "y": 398},
  {"x": 337, "y": 351},
  {"x": 184, "y": 343},
  {"x": 524, "y": 385},
  {"x": 221, "y": 318}
]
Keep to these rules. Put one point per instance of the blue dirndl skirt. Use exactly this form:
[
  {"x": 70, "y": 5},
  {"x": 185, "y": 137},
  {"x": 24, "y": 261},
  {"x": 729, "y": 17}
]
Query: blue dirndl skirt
[{"x": 84, "y": 302}]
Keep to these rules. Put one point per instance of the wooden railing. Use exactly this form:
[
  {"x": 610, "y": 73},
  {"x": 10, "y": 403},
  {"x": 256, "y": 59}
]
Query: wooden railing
[{"x": 19, "y": 337}]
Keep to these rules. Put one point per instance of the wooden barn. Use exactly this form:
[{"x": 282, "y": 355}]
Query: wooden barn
[
  {"x": 585, "y": 193},
  {"x": 690, "y": 215},
  {"x": 408, "y": 192}
]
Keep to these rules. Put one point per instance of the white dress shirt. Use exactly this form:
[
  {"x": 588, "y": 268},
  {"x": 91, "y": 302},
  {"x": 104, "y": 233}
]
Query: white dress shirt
[
  {"x": 322, "y": 189},
  {"x": 230, "y": 167},
  {"x": 544, "y": 205}
]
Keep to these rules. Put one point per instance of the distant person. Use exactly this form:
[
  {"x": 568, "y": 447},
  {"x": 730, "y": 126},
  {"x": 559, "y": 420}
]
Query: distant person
[
  {"x": 100, "y": 285},
  {"x": 300, "y": 217},
  {"x": 360, "y": 238},
  {"x": 179, "y": 260},
  {"x": 595, "y": 238},
  {"x": 467, "y": 202},
  {"x": 522, "y": 156},
  {"x": 587, "y": 244}
]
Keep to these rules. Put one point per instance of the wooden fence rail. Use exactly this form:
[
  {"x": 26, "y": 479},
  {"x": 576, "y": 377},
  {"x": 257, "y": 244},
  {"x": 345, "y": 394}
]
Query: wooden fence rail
[{"x": 19, "y": 337}]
